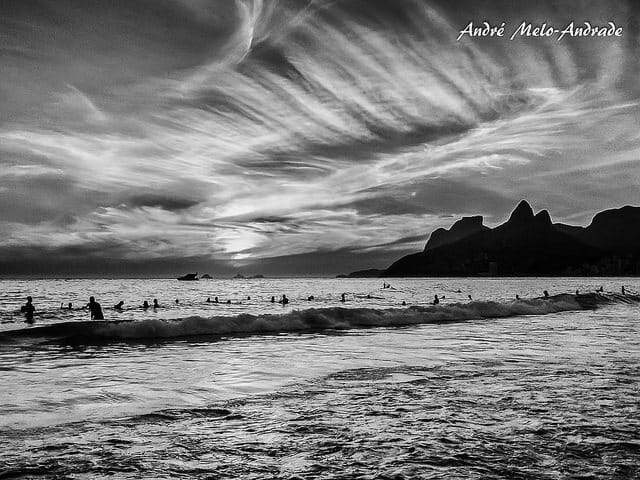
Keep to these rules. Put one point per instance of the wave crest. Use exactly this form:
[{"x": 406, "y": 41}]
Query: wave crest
[{"x": 314, "y": 319}]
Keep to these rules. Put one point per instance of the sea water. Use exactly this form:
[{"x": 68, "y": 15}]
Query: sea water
[{"x": 369, "y": 388}]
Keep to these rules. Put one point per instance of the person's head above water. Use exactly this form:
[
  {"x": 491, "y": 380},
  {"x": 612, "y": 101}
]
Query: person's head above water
[
  {"x": 92, "y": 299},
  {"x": 29, "y": 299}
]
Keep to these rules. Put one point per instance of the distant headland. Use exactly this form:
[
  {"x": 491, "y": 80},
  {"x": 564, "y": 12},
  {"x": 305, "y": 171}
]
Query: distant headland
[{"x": 527, "y": 245}]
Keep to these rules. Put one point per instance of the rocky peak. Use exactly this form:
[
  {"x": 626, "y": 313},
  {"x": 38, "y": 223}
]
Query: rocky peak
[
  {"x": 523, "y": 213},
  {"x": 462, "y": 228},
  {"x": 543, "y": 218}
]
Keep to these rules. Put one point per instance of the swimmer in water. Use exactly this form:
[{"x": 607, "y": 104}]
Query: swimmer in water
[
  {"x": 118, "y": 306},
  {"x": 145, "y": 305},
  {"x": 155, "y": 303},
  {"x": 624, "y": 292},
  {"x": 546, "y": 294},
  {"x": 517, "y": 297},
  {"x": 310, "y": 297},
  {"x": 284, "y": 300},
  {"x": 28, "y": 309},
  {"x": 469, "y": 297},
  {"x": 215, "y": 300},
  {"x": 404, "y": 304},
  {"x": 343, "y": 297},
  {"x": 228, "y": 302},
  {"x": 95, "y": 309},
  {"x": 177, "y": 301},
  {"x": 273, "y": 299},
  {"x": 208, "y": 300},
  {"x": 436, "y": 300}
]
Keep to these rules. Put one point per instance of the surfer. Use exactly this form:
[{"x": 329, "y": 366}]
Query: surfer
[
  {"x": 273, "y": 299},
  {"x": 145, "y": 305},
  {"x": 517, "y": 297},
  {"x": 28, "y": 310},
  {"x": 469, "y": 297},
  {"x": 404, "y": 304},
  {"x": 95, "y": 308},
  {"x": 284, "y": 300},
  {"x": 215, "y": 300},
  {"x": 601, "y": 289},
  {"x": 343, "y": 297},
  {"x": 546, "y": 294},
  {"x": 624, "y": 292},
  {"x": 155, "y": 303},
  {"x": 436, "y": 300},
  {"x": 118, "y": 306},
  {"x": 208, "y": 300}
]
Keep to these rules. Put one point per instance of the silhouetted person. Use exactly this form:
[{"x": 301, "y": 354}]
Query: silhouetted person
[
  {"x": 624, "y": 292},
  {"x": 577, "y": 292},
  {"x": 95, "y": 309},
  {"x": 273, "y": 299},
  {"x": 436, "y": 300},
  {"x": 601, "y": 289},
  {"x": 68, "y": 307},
  {"x": 469, "y": 297},
  {"x": 284, "y": 300},
  {"x": 215, "y": 300},
  {"x": 404, "y": 304},
  {"x": 248, "y": 298},
  {"x": 546, "y": 294},
  {"x": 208, "y": 300},
  {"x": 311, "y": 297},
  {"x": 155, "y": 303},
  {"x": 228, "y": 302},
  {"x": 28, "y": 309},
  {"x": 517, "y": 297},
  {"x": 343, "y": 297},
  {"x": 368, "y": 295},
  {"x": 118, "y": 306},
  {"x": 145, "y": 305},
  {"x": 177, "y": 301}
]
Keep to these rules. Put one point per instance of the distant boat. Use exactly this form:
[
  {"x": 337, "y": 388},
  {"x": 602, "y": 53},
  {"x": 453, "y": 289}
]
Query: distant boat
[{"x": 189, "y": 277}]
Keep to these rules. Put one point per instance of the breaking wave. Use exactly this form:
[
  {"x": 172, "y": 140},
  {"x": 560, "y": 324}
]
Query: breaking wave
[{"x": 314, "y": 319}]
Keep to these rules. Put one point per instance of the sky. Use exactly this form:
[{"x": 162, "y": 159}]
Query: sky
[{"x": 155, "y": 137}]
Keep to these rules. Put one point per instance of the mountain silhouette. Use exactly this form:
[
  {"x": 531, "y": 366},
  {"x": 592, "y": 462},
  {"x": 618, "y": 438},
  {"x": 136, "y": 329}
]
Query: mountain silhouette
[
  {"x": 530, "y": 244},
  {"x": 461, "y": 229}
]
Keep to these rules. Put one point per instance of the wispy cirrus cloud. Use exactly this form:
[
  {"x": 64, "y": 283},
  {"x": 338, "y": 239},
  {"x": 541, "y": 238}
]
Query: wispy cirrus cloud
[{"x": 247, "y": 131}]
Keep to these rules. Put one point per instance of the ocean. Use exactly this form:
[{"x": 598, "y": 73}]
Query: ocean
[{"x": 369, "y": 388}]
